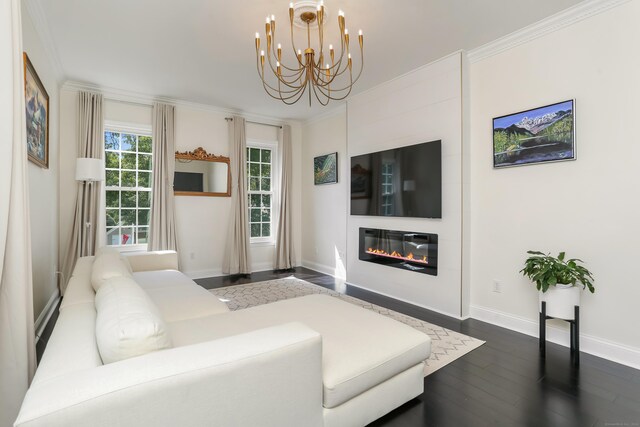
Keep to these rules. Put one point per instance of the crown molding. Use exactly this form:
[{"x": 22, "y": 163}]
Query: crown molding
[
  {"x": 565, "y": 18},
  {"x": 43, "y": 32},
  {"x": 131, "y": 97}
]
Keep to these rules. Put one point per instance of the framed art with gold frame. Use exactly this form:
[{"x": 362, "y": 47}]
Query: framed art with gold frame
[{"x": 37, "y": 115}]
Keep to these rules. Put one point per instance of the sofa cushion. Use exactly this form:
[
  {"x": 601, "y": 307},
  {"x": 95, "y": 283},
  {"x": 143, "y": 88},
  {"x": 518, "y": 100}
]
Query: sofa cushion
[
  {"x": 360, "y": 348},
  {"x": 107, "y": 265},
  {"x": 178, "y": 297},
  {"x": 128, "y": 324}
]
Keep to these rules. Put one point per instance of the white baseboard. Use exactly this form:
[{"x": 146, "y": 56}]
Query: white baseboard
[
  {"x": 407, "y": 301},
  {"x": 45, "y": 315},
  {"x": 321, "y": 268},
  {"x": 589, "y": 344}
]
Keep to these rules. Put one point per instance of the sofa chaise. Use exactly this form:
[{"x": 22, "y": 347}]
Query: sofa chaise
[{"x": 137, "y": 343}]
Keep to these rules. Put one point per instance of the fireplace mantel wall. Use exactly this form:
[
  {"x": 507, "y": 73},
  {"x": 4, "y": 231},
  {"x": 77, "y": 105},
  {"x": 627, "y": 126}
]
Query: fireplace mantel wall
[{"x": 424, "y": 105}]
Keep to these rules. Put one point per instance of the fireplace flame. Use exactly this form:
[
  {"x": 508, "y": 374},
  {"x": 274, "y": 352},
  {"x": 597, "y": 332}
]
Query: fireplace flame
[{"x": 398, "y": 255}]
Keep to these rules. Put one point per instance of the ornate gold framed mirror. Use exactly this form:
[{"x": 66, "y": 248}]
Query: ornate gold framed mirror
[{"x": 199, "y": 173}]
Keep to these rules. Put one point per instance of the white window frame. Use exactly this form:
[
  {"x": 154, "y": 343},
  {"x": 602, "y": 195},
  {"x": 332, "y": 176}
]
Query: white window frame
[
  {"x": 130, "y": 128},
  {"x": 275, "y": 189}
]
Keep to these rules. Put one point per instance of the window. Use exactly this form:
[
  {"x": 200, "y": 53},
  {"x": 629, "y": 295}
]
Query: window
[
  {"x": 387, "y": 189},
  {"x": 260, "y": 166},
  {"x": 128, "y": 161}
]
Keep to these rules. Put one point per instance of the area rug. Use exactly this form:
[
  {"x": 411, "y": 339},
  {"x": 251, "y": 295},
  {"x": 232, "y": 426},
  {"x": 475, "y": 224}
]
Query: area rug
[{"x": 446, "y": 345}]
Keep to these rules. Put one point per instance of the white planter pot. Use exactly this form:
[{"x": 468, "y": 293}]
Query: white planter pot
[{"x": 561, "y": 300}]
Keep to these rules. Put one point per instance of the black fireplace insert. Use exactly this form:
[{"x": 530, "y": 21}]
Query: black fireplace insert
[{"x": 400, "y": 249}]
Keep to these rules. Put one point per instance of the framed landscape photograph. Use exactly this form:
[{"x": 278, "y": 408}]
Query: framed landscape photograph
[
  {"x": 325, "y": 169},
  {"x": 37, "y": 112},
  {"x": 541, "y": 135}
]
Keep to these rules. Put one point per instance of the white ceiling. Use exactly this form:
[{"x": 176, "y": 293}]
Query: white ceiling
[{"x": 203, "y": 51}]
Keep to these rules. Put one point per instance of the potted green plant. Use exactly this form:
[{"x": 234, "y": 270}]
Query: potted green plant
[{"x": 558, "y": 281}]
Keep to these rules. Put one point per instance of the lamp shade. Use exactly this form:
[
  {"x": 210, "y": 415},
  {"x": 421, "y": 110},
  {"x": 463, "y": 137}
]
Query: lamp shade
[{"x": 88, "y": 169}]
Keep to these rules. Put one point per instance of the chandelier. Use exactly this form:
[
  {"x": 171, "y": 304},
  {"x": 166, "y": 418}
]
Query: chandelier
[{"x": 327, "y": 80}]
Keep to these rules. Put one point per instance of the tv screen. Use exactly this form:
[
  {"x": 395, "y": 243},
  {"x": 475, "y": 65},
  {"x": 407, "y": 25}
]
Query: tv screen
[
  {"x": 405, "y": 182},
  {"x": 188, "y": 181}
]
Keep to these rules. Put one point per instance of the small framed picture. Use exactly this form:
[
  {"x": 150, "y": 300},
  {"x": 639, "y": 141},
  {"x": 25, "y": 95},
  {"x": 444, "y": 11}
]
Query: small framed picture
[
  {"x": 325, "y": 169},
  {"x": 541, "y": 135},
  {"x": 37, "y": 112}
]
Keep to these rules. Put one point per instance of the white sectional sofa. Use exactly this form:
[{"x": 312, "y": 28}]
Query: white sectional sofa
[{"x": 309, "y": 361}]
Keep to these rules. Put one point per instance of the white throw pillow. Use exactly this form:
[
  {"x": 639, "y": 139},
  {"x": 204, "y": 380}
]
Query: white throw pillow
[
  {"x": 128, "y": 324},
  {"x": 106, "y": 265}
]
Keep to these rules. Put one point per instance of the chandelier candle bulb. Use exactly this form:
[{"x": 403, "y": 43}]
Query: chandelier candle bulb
[
  {"x": 279, "y": 52},
  {"x": 257, "y": 42}
]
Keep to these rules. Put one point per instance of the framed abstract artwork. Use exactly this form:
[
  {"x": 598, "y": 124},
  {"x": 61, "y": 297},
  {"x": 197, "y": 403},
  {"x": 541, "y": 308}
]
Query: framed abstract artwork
[
  {"x": 37, "y": 114},
  {"x": 541, "y": 135},
  {"x": 325, "y": 169}
]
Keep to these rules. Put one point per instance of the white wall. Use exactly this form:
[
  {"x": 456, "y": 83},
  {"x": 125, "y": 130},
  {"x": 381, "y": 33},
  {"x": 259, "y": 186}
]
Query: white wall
[
  {"x": 421, "y": 106},
  {"x": 588, "y": 207},
  {"x": 324, "y": 207},
  {"x": 43, "y": 192},
  {"x": 201, "y": 222}
]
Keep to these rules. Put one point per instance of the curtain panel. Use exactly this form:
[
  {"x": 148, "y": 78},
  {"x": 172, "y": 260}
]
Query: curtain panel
[
  {"x": 285, "y": 255},
  {"x": 162, "y": 225},
  {"x": 237, "y": 259},
  {"x": 87, "y": 223},
  {"x": 17, "y": 336}
]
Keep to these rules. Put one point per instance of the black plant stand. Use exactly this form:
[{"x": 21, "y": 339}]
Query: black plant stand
[{"x": 574, "y": 326}]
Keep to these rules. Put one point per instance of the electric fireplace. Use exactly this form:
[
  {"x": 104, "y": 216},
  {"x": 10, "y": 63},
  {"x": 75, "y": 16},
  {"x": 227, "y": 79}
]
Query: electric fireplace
[{"x": 400, "y": 249}]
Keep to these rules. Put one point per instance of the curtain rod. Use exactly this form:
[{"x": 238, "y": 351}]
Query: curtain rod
[{"x": 256, "y": 123}]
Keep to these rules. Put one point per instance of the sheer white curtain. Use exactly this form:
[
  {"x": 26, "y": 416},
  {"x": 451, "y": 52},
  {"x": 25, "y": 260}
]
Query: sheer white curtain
[
  {"x": 162, "y": 228},
  {"x": 237, "y": 258},
  {"x": 285, "y": 256},
  {"x": 88, "y": 221},
  {"x": 17, "y": 338}
]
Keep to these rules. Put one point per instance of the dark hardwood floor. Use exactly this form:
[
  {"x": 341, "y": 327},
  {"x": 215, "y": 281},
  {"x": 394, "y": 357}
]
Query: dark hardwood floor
[{"x": 505, "y": 382}]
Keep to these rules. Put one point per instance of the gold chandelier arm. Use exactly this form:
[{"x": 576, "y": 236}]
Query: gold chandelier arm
[
  {"x": 297, "y": 95},
  {"x": 293, "y": 93},
  {"x": 293, "y": 45},
  {"x": 340, "y": 98},
  {"x": 261, "y": 74},
  {"x": 323, "y": 103},
  {"x": 295, "y": 74},
  {"x": 274, "y": 51}
]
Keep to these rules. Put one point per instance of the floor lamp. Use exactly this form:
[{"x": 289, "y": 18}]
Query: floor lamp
[{"x": 88, "y": 170}]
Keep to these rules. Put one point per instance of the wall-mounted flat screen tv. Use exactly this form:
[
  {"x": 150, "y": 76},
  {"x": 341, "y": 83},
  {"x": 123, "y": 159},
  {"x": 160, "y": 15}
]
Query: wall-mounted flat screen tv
[
  {"x": 188, "y": 181},
  {"x": 403, "y": 182}
]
